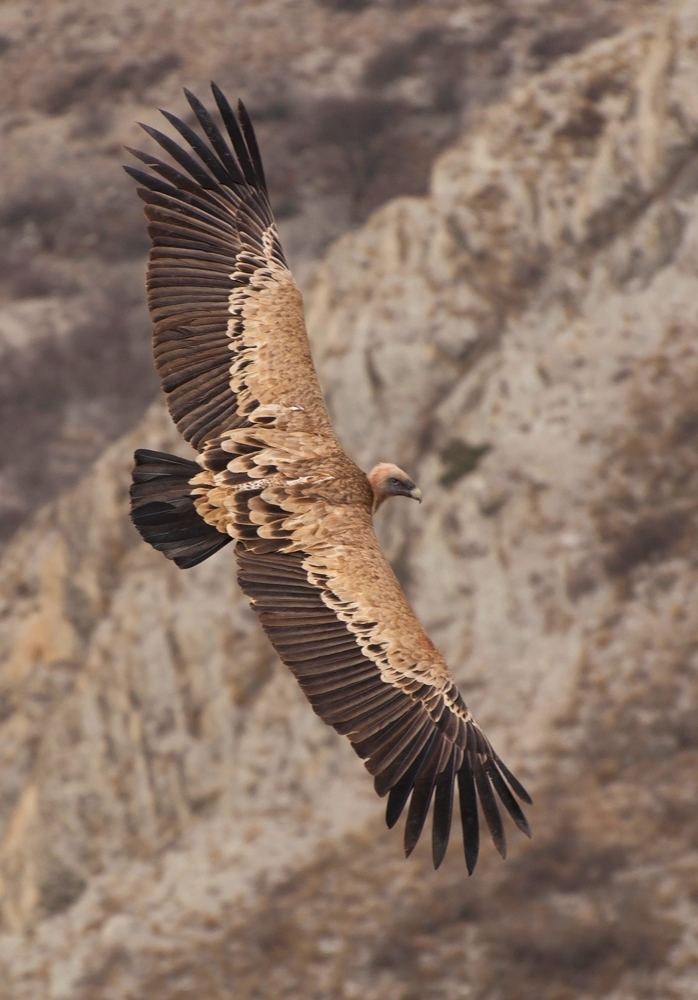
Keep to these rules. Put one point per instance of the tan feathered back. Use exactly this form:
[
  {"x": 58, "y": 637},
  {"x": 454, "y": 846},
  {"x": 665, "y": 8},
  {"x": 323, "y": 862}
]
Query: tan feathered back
[{"x": 232, "y": 352}]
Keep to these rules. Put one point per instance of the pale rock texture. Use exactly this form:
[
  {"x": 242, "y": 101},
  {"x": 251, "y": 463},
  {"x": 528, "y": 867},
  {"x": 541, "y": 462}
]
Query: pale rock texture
[
  {"x": 176, "y": 823},
  {"x": 352, "y": 100}
]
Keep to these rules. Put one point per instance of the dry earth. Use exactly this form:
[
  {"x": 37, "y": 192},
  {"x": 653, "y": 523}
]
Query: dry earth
[{"x": 174, "y": 821}]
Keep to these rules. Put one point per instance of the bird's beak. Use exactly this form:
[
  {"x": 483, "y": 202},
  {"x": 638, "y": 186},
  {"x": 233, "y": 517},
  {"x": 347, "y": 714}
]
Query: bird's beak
[{"x": 416, "y": 494}]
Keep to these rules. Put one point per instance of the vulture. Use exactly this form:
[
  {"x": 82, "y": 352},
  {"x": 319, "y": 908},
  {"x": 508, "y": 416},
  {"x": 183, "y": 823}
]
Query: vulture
[{"x": 231, "y": 350}]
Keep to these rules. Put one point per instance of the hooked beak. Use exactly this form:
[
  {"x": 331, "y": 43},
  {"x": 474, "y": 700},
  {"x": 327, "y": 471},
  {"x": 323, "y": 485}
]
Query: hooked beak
[{"x": 416, "y": 494}]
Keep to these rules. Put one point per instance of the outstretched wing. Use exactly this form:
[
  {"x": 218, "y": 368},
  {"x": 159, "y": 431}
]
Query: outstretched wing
[
  {"x": 339, "y": 619},
  {"x": 229, "y": 337}
]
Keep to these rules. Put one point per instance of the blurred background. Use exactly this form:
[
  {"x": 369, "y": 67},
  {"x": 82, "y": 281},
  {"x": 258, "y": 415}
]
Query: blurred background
[{"x": 492, "y": 211}]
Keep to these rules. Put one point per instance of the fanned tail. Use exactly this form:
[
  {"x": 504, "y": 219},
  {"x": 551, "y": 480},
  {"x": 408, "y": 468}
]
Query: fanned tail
[{"x": 163, "y": 511}]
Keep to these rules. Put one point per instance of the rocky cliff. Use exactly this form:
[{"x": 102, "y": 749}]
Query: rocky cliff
[
  {"x": 352, "y": 101},
  {"x": 175, "y": 822}
]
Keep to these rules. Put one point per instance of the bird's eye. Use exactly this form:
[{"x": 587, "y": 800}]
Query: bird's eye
[{"x": 394, "y": 482}]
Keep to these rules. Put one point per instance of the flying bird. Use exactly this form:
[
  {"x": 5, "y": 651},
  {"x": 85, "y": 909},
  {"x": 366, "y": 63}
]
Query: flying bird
[{"x": 231, "y": 349}]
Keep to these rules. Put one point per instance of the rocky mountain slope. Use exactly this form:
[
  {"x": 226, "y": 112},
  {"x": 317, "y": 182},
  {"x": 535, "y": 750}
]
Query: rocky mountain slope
[
  {"x": 353, "y": 99},
  {"x": 175, "y": 822}
]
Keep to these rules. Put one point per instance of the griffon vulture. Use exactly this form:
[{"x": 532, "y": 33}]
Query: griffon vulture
[{"x": 231, "y": 349}]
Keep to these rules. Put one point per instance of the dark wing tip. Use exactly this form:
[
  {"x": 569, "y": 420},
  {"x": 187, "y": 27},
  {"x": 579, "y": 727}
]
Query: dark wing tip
[
  {"x": 251, "y": 140},
  {"x": 488, "y": 803},
  {"x": 506, "y": 798},
  {"x": 487, "y": 777},
  {"x": 470, "y": 822},
  {"x": 240, "y": 139},
  {"x": 216, "y": 139},
  {"x": 483, "y": 782},
  {"x": 516, "y": 785},
  {"x": 422, "y": 793},
  {"x": 140, "y": 155},
  {"x": 443, "y": 810}
]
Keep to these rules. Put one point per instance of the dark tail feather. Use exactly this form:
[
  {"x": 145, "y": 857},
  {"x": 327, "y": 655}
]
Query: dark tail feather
[{"x": 163, "y": 511}]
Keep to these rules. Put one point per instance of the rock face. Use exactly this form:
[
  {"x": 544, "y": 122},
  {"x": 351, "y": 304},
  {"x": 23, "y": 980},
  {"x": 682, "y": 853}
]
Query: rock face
[
  {"x": 352, "y": 101},
  {"x": 175, "y": 822}
]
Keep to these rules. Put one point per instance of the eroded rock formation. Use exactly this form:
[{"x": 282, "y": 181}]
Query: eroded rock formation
[{"x": 175, "y": 823}]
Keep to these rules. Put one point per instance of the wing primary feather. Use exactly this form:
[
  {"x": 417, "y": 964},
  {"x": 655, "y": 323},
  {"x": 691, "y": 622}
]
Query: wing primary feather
[
  {"x": 199, "y": 147},
  {"x": 144, "y": 157},
  {"x": 468, "y": 814},
  {"x": 508, "y": 800},
  {"x": 400, "y": 792},
  {"x": 149, "y": 181},
  {"x": 236, "y": 136},
  {"x": 215, "y": 137},
  {"x": 513, "y": 781},
  {"x": 489, "y": 806},
  {"x": 251, "y": 138},
  {"x": 443, "y": 810},
  {"x": 187, "y": 192},
  {"x": 396, "y": 803},
  {"x": 185, "y": 189},
  {"x": 420, "y": 801},
  {"x": 182, "y": 157}
]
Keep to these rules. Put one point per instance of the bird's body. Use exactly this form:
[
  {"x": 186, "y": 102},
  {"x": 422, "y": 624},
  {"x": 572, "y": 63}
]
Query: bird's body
[{"x": 232, "y": 351}]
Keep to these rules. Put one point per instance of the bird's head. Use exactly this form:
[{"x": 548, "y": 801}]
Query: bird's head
[{"x": 388, "y": 481}]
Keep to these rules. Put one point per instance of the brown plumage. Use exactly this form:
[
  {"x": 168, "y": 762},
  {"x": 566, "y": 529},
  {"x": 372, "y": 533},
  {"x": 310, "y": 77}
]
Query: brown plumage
[{"x": 232, "y": 352}]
